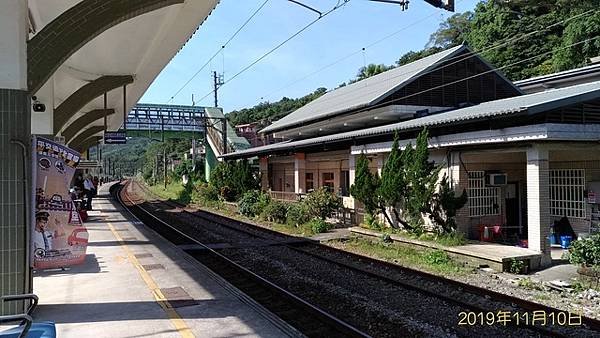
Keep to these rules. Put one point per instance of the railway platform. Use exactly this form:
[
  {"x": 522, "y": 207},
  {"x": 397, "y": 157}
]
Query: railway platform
[
  {"x": 496, "y": 256},
  {"x": 136, "y": 284}
]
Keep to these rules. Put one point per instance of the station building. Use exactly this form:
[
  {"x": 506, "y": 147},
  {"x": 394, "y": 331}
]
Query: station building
[{"x": 527, "y": 153}]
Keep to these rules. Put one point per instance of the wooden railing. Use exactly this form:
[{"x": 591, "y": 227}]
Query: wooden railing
[{"x": 344, "y": 216}]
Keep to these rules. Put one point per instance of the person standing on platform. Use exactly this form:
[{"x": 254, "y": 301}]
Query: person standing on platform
[{"x": 88, "y": 191}]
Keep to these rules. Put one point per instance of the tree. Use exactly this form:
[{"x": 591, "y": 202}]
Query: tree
[
  {"x": 392, "y": 188},
  {"x": 452, "y": 32},
  {"x": 422, "y": 176},
  {"x": 370, "y": 70},
  {"x": 444, "y": 205},
  {"x": 414, "y": 56},
  {"x": 493, "y": 22},
  {"x": 566, "y": 57},
  {"x": 322, "y": 203},
  {"x": 524, "y": 38},
  {"x": 271, "y": 111},
  {"x": 365, "y": 187},
  {"x": 233, "y": 178}
]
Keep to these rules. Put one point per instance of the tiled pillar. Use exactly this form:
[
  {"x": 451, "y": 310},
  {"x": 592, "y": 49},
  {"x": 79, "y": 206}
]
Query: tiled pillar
[
  {"x": 349, "y": 201},
  {"x": 380, "y": 162},
  {"x": 299, "y": 173},
  {"x": 458, "y": 178},
  {"x": 15, "y": 126},
  {"x": 538, "y": 202},
  {"x": 352, "y": 168},
  {"x": 264, "y": 173}
]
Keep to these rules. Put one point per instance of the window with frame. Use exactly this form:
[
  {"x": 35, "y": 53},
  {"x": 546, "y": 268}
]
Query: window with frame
[
  {"x": 567, "y": 188},
  {"x": 345, "y": 183},
  {"x": 309, "y": 182},
  {"x": 483, "y": 200},
  {"x": 328, "y": 182}
]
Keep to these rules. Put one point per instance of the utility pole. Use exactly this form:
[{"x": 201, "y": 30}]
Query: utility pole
[
  {"x": 218, "y": 82},
  {"x": 193, "y": 153},
  {"x": 165, "y": 166},
  {"x": 156, "y": 169}
]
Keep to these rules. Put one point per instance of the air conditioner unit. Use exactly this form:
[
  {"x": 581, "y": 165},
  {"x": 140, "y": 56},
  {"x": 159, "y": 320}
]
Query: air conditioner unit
[{"x": 496, "y": 179}]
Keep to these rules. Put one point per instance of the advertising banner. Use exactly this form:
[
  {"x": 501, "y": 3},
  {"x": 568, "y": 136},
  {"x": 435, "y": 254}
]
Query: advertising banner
[{"x": 58, "y": 238}]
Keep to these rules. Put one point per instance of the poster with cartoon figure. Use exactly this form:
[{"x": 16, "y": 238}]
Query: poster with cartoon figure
[{"x": 58, "y": 238}]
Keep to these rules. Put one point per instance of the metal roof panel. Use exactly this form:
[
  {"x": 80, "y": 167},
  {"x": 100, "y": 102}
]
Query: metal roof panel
[
  {"x": 362, "y": 93},
  {"x": 531, "y": 103}
]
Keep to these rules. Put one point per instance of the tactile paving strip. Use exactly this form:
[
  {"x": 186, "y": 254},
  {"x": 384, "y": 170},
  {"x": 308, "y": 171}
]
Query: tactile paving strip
[
  {"x": 152, "y": 266},
  {"x": 178, "y": 297}
]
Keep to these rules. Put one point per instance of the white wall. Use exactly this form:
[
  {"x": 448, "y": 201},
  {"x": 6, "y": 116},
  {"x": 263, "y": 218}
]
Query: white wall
[{"x": 13, "y": 44}]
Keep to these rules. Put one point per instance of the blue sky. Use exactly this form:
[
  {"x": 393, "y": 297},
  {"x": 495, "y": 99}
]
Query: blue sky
[{"x": 350, "y": 28}]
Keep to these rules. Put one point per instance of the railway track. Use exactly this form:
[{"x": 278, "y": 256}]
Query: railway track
[
  {"x": 308, "y": 319},
  {"x": 460, "y": 295}
]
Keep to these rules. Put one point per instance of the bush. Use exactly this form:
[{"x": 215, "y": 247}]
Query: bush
[
  {"x": 185, "y": 196},
  {"x": 186, "y": 167},
  {"x": 437, "y": 257},
  {"x": 322, "y": 203},
  {"x": 275, "y": 211},
  {"x": 386, "y": 238},
  {"x": 298, "y": 213},
  {"x": 318, "y": 225},
  {"x": 586, "y": 251},
  {"x": 253, "y": 203},
  {"x": 207, "y": 192},
  {"x": 516, "y": 266},
  {"x": 373, "y": 223},
  {"x": 234, "y": 178},
  {"x": 451, "y": 239}
]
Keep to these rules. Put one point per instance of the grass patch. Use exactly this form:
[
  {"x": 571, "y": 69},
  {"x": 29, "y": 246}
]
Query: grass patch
[
  {"x": 453, "y": 239},
  {"x": 303, "y": 230},
  {"x": 435, "y": 261},
  {"x": 529, "y": 284},
  {"x": 174, "y": 191},
  {"x": 583, "y": 283}
]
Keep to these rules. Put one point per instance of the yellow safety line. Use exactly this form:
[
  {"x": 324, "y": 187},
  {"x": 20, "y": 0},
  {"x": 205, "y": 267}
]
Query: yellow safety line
[{"x": 174, "y": 317}]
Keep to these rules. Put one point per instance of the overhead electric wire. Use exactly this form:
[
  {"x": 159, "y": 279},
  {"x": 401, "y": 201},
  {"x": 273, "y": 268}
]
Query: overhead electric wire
[
  {"x": 339, "y": 4},
  {"x": 463, "y": 57},
  {"x": 220, "y": 50},
  {"x": 351, "y": 54}
]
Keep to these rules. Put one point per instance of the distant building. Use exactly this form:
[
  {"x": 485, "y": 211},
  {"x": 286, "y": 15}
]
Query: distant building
[{"x": 249, "y": 131}]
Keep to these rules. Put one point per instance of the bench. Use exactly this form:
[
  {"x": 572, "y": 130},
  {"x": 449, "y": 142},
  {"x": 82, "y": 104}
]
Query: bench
[{"x": 26, "y": 328}]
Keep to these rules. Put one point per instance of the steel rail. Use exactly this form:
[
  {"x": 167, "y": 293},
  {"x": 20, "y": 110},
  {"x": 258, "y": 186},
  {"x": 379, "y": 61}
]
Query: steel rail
[
  {"x": 592, "y": 323},
  {"x": 342, "y": 328}
]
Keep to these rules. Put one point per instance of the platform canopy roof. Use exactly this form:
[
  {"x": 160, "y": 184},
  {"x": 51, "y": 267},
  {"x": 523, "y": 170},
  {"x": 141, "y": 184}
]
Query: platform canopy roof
[
  {"x": 529, "y": 104},
  {"x": 79, "y": 49},
  {"x": 370, "y": 91}
]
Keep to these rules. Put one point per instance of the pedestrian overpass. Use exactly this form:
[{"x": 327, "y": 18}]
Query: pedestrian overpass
[{"x": 209, "y": 123}]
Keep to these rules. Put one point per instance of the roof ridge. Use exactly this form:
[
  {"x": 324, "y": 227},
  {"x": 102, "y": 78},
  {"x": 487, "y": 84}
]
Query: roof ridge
[{"x": 378, "y": 79}]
